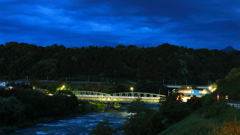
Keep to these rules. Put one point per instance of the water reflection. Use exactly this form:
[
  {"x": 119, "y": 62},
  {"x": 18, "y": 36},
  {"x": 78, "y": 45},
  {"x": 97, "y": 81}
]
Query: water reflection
[{"x": 81, "y": 125}]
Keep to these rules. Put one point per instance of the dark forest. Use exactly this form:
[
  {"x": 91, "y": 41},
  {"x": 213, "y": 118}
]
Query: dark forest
[{"x": 168, "y": 62}]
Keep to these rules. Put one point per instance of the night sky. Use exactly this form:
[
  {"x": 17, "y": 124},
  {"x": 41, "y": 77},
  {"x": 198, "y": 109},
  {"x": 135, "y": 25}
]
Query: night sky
[{"x": 212, "y": 24}]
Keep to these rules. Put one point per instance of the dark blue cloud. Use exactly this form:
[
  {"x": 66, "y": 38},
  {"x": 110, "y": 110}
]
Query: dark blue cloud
[{"x": 212, "y": 24}]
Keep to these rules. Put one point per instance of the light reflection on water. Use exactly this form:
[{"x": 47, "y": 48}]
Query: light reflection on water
[{"x": 81, "y": 125}]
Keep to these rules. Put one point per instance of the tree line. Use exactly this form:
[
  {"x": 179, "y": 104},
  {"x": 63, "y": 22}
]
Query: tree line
[{"x": 152, "y": 63}]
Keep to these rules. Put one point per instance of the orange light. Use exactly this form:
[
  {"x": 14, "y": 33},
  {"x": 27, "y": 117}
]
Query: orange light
[{"x": 218, "y": 97}]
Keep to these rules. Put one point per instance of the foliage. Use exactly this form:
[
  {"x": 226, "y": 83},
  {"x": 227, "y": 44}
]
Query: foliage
[
  {"x": 151, "y": 87},
  {"x": 194, "y": 103},
  {"x": 192, "y": 125},
  {"x": 36, "y": 84},
  {"x": 116, "y": 105},
  {"x": 229, "y": 87},
  {"x": 28, "y": 104},
  {"x": 152, "y": 63},
  {"x": 174, "y": 111},
  {"x": 62, "y": 86},
  {"x": 136, "y": 106},
  {"x": 64, "y": 92},
  {"x": 213, "y": 107},
  {"x": 228, "y": 128},
  {"x": 230, "y": 114},
  {"x": 233, "y": 73},
  {"x": 99, "y": 105},
  {"x": 11, "y": 110},
  {"x": 50, "y": 89},
  {"x": 223, "y": 123},
  {"x": 103, "y": 128},
  {"x": 143, "y": 121},
  {"x": 120, "y": 88},
  {"x": 92, "y": 106}
]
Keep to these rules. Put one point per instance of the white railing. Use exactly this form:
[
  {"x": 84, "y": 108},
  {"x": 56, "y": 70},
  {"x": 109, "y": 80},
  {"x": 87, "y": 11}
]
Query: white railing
[{"x": 117, "y": 98}]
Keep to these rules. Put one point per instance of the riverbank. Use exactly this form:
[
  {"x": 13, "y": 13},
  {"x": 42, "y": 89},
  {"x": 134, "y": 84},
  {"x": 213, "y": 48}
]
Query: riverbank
[
  {"x": 93, "y": 109},
  {"x": 29, "y": 123}
]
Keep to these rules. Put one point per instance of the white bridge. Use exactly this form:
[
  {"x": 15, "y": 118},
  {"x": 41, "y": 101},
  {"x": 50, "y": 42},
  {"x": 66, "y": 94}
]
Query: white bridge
[{"x": 123, "y": 97}]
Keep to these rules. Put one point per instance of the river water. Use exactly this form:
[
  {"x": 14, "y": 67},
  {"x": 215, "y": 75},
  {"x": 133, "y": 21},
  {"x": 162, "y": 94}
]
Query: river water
[{"x": 81, "y": 125}]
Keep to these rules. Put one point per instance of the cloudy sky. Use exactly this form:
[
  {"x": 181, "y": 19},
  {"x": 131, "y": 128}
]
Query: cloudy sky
[{"x": 212, "y": 24}]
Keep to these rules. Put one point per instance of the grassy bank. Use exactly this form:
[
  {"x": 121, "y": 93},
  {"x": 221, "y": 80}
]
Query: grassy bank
[{"x": 196, "y": 124}]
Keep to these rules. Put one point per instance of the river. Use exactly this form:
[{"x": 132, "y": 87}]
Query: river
[{"x": 81, "y": 125}]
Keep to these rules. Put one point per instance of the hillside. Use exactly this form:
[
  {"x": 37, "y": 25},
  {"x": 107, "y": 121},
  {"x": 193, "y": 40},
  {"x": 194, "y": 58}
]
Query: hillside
[
  {"x": 164, "y": 62},
  {"x": 228, "y": 49},
  {"x": 230, "y": 85}
]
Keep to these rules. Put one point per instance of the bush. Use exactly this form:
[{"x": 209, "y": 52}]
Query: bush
[
  {"x": 174, "y": 111},
  {"x": 228, "y": 128},
  {"x": 89, "y": 107},
  {"x": 103, "y": 128},
  {"x": 194, "y": 103},
  {"x": 143, "y": 121},
  {"x": 11, "y": 111},
  {"x": 213, "y": 107}
]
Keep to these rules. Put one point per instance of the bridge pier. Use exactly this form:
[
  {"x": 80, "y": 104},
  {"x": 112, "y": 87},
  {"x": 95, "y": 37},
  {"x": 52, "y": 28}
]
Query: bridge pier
[{"x": 109, "y": 105}]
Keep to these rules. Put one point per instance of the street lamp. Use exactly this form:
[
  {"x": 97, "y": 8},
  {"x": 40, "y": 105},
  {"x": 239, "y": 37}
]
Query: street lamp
[
  {"x": 210, "y": 88},
  {"x": 131, "y": 88},
  {"x": 63, "y": 86}
]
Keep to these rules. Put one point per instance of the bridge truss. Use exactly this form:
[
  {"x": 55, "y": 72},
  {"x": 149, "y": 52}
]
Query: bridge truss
[{"x": 122, "y": 97}]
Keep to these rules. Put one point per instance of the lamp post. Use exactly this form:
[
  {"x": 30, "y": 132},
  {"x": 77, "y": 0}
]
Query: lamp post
[
  {"x": 191, "y": 90},
  {"x": 131, "y": 88}
]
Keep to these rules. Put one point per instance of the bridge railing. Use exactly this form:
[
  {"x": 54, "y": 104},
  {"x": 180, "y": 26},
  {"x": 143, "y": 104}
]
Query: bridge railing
[{"x": 123, "y": 97}]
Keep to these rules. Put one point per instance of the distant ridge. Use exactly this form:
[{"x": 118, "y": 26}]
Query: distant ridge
[{"x": 228, "y": 49}]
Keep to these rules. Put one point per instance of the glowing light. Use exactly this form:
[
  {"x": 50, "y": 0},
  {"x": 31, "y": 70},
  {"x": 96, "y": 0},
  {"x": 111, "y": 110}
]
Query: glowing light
[
  {"x": 131, "y": 88},
  {"x": 204, "y": 92}
]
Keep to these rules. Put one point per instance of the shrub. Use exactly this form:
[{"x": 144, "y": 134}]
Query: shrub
[
  {"x": 174, "y": 111},
  {"x": 144, "y": 121},
  {"x": 194, "y": 103},
  {"x": 11, "y": 110},
  {"x": 103, "y": 128},
  {"x": 228, "y": 128}
]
